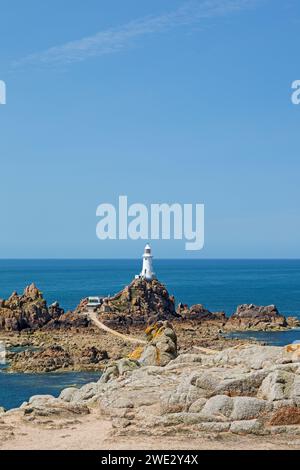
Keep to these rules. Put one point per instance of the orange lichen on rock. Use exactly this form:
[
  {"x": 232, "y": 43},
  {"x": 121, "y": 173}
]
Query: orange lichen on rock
[
  {"x": 153, "y": 331},
  {"x": 136, "y": 354},
  {"x": 286, "y": 416},
  {"x": 294, "y": 351},
  {"x": 161, "y": 345},
  {"x": 293, "y": 347}
]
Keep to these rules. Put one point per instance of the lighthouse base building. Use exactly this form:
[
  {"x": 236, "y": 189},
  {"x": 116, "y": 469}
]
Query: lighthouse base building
[{"x": 147, "y": 270}]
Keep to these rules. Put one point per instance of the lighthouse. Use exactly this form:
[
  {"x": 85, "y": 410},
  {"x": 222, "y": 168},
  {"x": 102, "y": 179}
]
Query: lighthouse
[{"x": 147, "y": 271}]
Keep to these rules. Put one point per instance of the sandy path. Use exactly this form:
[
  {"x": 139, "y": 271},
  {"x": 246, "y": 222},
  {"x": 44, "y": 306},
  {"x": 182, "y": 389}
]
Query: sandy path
[
  {"x": 93, "y": 317},
  {"x": 95, "y": 433},
  {"x": 86, "y": 433}
]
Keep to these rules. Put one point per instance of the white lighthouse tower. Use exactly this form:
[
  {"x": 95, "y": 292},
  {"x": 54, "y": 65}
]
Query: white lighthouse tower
[{"x": 147, "y": 271}]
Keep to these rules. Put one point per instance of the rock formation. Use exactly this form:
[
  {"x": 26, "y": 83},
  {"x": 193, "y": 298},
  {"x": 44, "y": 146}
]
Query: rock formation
[
  {"x": 252, "y": 317},
  {"x": 48, "y": 359},
  {"x": 247, "y": 390},
  {"x": 142, "y": 302},
  {"x": 68, "y": 321},
  {"x": 161, "y": 347},
  {"x": 29, "y": 311},
  {"x": 26, "y": 311},
  {"x": 159, "y": 351},
  {"x": 58, "y": 358},
  {"x": 199, "y": 313},
  {"x": 293, "y": 322}
]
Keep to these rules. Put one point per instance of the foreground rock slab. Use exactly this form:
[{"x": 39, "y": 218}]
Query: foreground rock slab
[
  {"x": 199, "y": 393},
  {"x": 249, "y": 390}
]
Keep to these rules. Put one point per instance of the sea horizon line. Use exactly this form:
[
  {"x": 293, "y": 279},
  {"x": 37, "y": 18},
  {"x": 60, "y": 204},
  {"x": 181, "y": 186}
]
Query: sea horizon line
[{"x": 156, "y": 258}]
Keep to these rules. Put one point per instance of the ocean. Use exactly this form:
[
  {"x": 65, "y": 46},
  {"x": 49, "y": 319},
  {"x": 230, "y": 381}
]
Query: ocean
[
  {"x": 217, "y": 284},
  {"x": 17, "y": 388}
]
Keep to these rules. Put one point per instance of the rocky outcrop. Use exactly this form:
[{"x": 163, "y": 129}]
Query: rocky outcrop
[
  {"x": 68, "y": 321},
  {"x": 58, "y": 358},
  {"x": 293, "y": 322},
  {"x": 161, "y": 347},
  {"x": 46, "y": 406},
  {"x": 211, "y": 393},
  {"x": 119, "y": 368},
  {"x": 253, "y": 317},
  {"x": 55, "y": 311},
  {"x": 159, "y": 351},
  {"x": 29, "y": 311},
  {"x": 199, "y": 313},
  {"x": 93, "y": 355},
  {"x": 241, "y": 390},
  {"x": 49, "y": 359},
  {"x": 246, "y": 317},
  {"x": 26, "y": 311},
  {"x": 201, "y": 393},
  {"x": 142, "y": 302}
]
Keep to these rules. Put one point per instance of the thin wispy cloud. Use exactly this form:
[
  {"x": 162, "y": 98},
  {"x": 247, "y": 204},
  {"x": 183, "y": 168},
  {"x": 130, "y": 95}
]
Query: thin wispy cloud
[{"x": 116, "y": 39}]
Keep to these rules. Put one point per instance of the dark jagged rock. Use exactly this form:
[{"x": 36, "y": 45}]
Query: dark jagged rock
[
  {"x": 26, "y": 311},
  {"x": 55, "y": 311},
  {"x": 293, "y": 322},
  {"x": 55, "y": 357},
  {"x": 142, "y": 302},
  {"x": 29, "y": 311},
  {"x": 200, "y": 313},
  {"x": 67, "y": 321},
  {"x": 47, "y": 360},
  {"x": 93, "y": 355},
  {"x": 253, "y": 317}
]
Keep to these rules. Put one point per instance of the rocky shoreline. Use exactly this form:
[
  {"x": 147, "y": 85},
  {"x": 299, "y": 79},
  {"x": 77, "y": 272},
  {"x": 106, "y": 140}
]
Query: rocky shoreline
[
  {"x": 91, "y": 349},
  {"x": 42, "y": 338},
  {"x": 250, "y": 391}
]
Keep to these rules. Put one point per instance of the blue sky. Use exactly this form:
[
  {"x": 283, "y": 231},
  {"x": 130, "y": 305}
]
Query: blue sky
[{"x": 163, "y": 101}]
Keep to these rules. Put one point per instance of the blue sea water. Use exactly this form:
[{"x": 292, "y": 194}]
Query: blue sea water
[
  {"x": 218, "y": 284},
  {"x": 17, "y": 388}
]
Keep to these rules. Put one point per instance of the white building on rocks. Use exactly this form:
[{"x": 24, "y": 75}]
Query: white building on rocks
[{"x": 147, "y": 270}]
